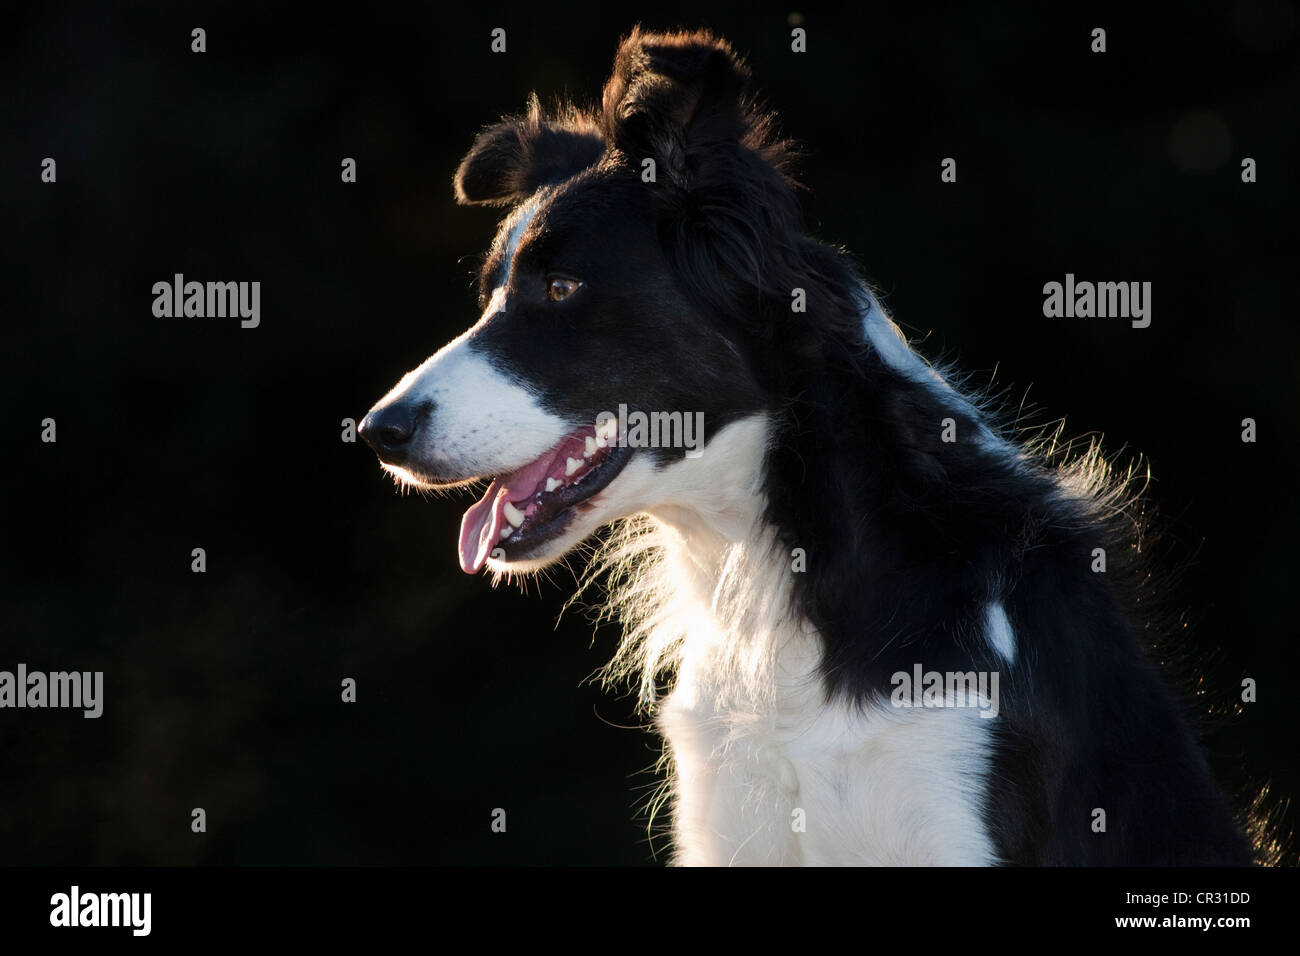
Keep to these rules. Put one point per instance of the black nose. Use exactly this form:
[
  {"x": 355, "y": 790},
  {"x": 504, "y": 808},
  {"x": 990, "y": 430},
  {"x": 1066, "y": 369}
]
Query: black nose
[{"x": 388, "y": 430}]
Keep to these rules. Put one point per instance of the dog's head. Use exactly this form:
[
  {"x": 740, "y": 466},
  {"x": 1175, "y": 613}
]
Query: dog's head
[{"x": 633, "y": 282}]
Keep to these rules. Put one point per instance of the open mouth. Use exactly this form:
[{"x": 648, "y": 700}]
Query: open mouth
[{"x": 530, "y": 506}]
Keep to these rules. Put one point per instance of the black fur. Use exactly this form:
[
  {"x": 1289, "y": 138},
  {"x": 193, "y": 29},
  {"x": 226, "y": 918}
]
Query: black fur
[
  {"x": 515, "y": 157},
  {"x": 688, "y": 302}
]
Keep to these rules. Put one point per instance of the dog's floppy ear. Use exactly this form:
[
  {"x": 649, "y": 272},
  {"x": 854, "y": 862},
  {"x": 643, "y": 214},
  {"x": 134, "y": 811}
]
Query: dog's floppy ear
[
  {"x": 513, "y": 158},
  {"x": 680, "y": 99}
]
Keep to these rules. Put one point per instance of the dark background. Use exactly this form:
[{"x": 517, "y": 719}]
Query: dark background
[{"x": 222, "y": 689}]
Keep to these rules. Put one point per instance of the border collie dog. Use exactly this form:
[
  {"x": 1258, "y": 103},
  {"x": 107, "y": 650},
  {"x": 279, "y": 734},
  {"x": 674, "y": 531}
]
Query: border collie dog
[{"x": 872, "y": 627}]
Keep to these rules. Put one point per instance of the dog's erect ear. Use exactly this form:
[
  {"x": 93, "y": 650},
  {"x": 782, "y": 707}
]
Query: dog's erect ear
[
  {"x": 513, "y": 158},
  {"x": 680, "y": 99}
]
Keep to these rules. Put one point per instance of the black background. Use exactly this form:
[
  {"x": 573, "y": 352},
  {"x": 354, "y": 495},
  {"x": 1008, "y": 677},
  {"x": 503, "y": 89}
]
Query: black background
[{"x": 222, "y": 689}]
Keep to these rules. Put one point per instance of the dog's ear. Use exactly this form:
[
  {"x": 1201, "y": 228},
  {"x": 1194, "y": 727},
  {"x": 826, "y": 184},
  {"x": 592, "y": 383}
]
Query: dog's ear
[
  {"x": 512, "y": 159},
  {"x": 682, "y": 100}
]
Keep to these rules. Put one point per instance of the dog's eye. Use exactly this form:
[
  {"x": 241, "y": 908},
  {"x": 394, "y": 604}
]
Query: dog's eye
[{"x": 559, "y": 288}]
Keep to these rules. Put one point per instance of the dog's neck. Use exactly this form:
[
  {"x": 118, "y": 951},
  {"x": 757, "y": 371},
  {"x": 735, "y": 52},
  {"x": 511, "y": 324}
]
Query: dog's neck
[
  {"x": 715, "y": 502},
  {"x": 711, "y": 595}
]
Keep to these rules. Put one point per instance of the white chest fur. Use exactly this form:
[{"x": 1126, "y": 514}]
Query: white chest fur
[
  {"x": 816, "y": 783},
  {"x": 766, "y": 770}
]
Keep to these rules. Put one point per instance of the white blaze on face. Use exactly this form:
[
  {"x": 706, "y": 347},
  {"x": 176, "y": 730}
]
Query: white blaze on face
[
  {"x": 483, "y": 421},
  {"x": 497, "y": 303},
  {"x": 519, "y": 222}
]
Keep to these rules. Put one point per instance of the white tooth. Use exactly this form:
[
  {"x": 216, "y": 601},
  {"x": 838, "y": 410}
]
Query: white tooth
[
  {"x": 591, "y": 447},
  {"x": 506, "y": 532},
  {"x": 600, "y": 442},
  {"x": 514, "y": 515},
  {"x": 608, "y": 430},
  {"x": 553, "y": 483},
  {"x": 571, "y": 465}
]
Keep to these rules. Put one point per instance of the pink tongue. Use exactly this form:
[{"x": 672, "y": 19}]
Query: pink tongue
[{"x": 480, "y": 529}]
